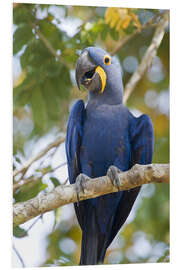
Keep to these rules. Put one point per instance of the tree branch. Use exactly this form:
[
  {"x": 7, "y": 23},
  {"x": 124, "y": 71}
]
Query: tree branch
[
  {"x": 50, "y": 47},
  {"x": 148, "y": 57},
  {"x": 61, "y": 195},
  {"x": 19, "y": 256},
  {"x": 29, "y": 162}
]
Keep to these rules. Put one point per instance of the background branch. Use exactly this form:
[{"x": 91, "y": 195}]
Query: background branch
[
  {"x": 61, "y": 195},
  {"x": 29, "y": 162},
  {"x": 19, "y": 256},
  {"x": 50, "y": 47},
  {"x": 148, "y": 57}
]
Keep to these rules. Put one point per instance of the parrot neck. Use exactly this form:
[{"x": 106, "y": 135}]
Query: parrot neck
[{"x": 112, "y": 95}]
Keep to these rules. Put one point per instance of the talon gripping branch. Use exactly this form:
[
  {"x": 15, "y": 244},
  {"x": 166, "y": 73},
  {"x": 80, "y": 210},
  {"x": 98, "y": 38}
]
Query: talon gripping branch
[{"x": 102, "y": 134}]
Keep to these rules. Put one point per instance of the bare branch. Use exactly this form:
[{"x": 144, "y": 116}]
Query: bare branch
[
  {"x": 61, "y": 195},
  {"x": 29, "y": 162},
  {"x": 148, "y": 57},
  {"x": 34, "y": 223},
  {"x": 50, "y": 47}
]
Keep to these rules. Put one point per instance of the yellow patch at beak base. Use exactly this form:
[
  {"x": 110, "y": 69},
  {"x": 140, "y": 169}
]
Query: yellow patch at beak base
[{"x": 102, "y": 75}]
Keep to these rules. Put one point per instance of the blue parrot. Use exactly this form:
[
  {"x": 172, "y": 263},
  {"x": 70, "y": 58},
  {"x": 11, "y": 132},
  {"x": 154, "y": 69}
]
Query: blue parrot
[{"x": 103, "y": 138}]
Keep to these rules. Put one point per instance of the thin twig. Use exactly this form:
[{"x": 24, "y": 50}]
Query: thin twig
[
  {"x": 24, "y": 182},
  {"x": 50, "y": 154},
  {"x": 18, "y": 255},
  {"x": 50, "y": 47},
  {"x": 35, "y": 221},
  {"x": 29, "y": 162},
  {"x": 65, "y": 194},
  {"x": 148, "y": 57},
  {"x": 65, "y": 182},
  {"x": 33, "y": 179},
  {"x": 56, "y": 168}
]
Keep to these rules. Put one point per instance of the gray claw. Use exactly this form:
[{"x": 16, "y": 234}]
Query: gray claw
[
  {"x": 113, "y": 174},
  {"x": 80, "y": 185}
]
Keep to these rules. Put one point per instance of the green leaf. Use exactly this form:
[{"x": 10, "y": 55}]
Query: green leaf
[
  {"x": 39, "y": 110},
  {"x": 22, "y": 98},
  {"x": 63, "y": 84},
  {"x": 27, "y": 83},
  {"x": 29, "y": 190},
  {"x": 22, "y": 93},
  {"x": 104, "y": 32},
  {"x": 35, "y": 55},
  {"x": 129, "y": 30},
  {"x": 23, "y": 13},
  {"x": 22, "y": 36},
  {"x": 165, "y": 257},
  {"x": 55, "y": 181},
  {"x": 114, "y": 34},
  {"x": 44, "y": 170},
  {"x": 53, "y": 68},
  {"x": 51, "y": 99},
  {"x": 19, "y": 232},
  {"x": 52, "y": 34},
  {"x": 18, "y": 160}
]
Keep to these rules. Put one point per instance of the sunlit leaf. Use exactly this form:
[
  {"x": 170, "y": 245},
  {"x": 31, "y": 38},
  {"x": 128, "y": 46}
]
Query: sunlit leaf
[{"x": 120, "y": 18}]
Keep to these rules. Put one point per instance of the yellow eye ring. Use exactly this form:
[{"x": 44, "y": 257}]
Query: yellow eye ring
[{"x": 107, "y": 60}]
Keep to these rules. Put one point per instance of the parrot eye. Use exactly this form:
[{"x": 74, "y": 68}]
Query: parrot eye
[{"x": 107, "y": 60}]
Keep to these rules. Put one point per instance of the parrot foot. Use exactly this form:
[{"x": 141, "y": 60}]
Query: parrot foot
[
  {"x": 80, "y": 184},
  {"x": 113, "y": 174}
]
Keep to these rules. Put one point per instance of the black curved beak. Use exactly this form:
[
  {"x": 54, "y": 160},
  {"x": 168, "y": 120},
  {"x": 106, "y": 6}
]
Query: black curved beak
[{"x": 85, "y": 70}]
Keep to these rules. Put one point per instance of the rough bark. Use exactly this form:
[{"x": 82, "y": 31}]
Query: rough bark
[
  {"x": 148, "y": 57},
  {"x": 65, "y": 194}
]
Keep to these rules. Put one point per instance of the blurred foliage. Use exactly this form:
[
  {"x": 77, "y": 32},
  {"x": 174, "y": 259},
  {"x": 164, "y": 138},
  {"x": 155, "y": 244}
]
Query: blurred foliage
[
  {"x": 122, "y": 18},
  {"x": 47, "y": 40}
]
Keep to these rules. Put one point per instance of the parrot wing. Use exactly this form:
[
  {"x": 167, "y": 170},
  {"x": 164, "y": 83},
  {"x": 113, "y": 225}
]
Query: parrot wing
[
  {"x": 73, "y": 144},
  {"x": 142, "y": 141}
]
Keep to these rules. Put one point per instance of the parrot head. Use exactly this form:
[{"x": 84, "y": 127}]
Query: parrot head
[{"x": 98, "y": 72}]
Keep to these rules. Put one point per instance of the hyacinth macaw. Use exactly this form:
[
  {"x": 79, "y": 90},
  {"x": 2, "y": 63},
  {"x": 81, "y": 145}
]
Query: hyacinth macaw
[{"x": 103, "y": 138}]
